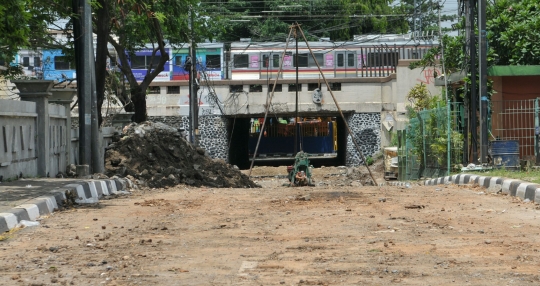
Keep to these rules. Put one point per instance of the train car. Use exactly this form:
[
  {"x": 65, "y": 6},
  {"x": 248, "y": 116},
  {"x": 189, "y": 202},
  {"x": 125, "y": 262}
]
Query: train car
[
  {"x": 31, "y": 63},
  {"x": 56, "y": 66},
  {"x": 141, "y": 60},
  {"x": 367, "y": 56},
  {"x": 209, "y": 61}
]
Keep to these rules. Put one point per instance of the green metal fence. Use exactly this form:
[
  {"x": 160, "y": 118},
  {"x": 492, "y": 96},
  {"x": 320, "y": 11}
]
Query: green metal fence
[{"x": 426, "y": 148}]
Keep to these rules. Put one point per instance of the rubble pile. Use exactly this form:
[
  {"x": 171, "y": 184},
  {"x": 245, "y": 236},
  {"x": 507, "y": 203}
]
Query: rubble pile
[{"x": 157, "y": 155}]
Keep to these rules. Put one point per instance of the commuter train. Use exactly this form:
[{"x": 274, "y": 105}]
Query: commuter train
[{"x": 366, "y": 56}]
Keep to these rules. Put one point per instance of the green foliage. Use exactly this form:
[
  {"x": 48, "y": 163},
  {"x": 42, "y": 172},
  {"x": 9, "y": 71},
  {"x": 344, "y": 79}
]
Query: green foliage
[
  {"x": 420, "y": 99},
  {"x": 337, "y": 19},
  {"x": 131, "y": 25},
  {"x": 369, "y": 160},
  {"x": 26, "y": 24},
  {"x": 439, "y": 147},
  {"x": 428, "y": 11},
  {"x": 514, "y": 31},
  {"x": 394, "y": 139}
]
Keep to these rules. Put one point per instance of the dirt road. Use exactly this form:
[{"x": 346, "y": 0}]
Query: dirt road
[{"x": 335, "y": 233}]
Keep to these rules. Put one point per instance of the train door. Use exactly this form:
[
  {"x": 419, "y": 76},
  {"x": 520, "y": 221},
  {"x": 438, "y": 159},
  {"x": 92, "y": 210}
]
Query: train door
[
  {"x": 266, "y": 69},
  {"x": 346, "y": 64}
]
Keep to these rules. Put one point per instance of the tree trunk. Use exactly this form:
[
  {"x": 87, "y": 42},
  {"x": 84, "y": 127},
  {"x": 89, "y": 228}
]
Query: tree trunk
[
  {"x": 102, "y": 23},
  {"x": 138, "y": 98}
]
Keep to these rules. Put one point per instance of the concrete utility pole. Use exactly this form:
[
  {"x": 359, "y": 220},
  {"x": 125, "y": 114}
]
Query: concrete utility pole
[
  {"x": 89, "y": 150},
  {"x": 483, "y": 100},
  {"x": 83, "y": 42},
  {"x": 193, "y": 99},
  {"x": 473, "y": 101},
  {"x": 296, "y": 112}
]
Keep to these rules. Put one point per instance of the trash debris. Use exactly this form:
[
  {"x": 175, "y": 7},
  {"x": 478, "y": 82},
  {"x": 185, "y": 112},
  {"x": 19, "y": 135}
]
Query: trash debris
[{"x": 28, "y": 223}]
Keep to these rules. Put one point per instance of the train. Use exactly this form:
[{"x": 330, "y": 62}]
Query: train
[{"x": 364, "y": 56}]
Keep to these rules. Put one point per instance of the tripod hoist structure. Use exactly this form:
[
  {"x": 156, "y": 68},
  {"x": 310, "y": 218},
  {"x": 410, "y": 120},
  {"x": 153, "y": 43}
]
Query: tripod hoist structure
[{"x": 301, "y": 162}]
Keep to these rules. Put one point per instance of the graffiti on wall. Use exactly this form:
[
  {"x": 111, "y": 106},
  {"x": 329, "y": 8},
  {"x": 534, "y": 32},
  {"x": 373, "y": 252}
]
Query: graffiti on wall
[{"x": 428, "y": 75}]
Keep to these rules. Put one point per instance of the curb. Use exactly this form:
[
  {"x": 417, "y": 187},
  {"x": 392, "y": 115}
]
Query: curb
[
  {"x": 400, "y": 184},
  {"x": 81, "y": 193},
  {"x": 513, "y": 187}
]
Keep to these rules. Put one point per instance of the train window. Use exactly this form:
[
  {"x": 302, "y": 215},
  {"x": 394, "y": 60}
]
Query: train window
[
  {"x": 275, "y": 61},
  {"x": 292, "y": 87},
  {"x": 383, "y": 59},
  {"x": 154, "y": 63},
  {"x": 266, "y": 61},
  {"x": 178, "y": 60},
  {"x": 138, "y": 62},
  {"x": 241, "y": 61},
  {"x": 278, "y": 87},
  {"x": 302, "y": 60},
  {"x": 350, "y": 60},
  {"x": 173, "y": 89},
  {"x": 37, "y": 61},
  {"x": 312, "y": 86},
  {"x": 340, "y": 60},
  {"x": 335, "y": 86},
  {"x": 320, "y": 60},
  {"x": 61, "y": 63},
  {"x": 213, "y": 61},
  {"x": 26, "y": 61},
  {"x": 236, "y": 88},
  {"x": 154, "y": 90},
  {"x": 255, "y": 88}
]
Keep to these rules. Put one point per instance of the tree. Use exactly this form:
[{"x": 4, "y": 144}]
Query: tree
[
  {"x": 26, "y": 24},
  {"x": 270, "y": 20},
  {"x": 423, "y": 15},
  {"x": 131, "y": 25},
  {"x": 514, "y": 32}
]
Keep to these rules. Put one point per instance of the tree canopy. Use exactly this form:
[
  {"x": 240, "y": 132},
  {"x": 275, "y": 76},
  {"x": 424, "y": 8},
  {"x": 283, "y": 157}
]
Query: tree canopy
[
  {"x": 131, "y": 25},
  {"x": 27, "y": 24},
  {"x": 269, "y": 20},
  {"x": 514, "y": 32},
  {"x": 424, "y": 15}
]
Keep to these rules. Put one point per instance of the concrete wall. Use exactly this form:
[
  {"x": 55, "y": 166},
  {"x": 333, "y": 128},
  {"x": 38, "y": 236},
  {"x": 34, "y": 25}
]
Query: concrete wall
[
  {"x": 367, "y": 133},
  {"x": 373, "y": 94},
  {"x": 18, "y": 121},
  {"x": 58, "y": 143},
  {"x": 19, "y": 132}
]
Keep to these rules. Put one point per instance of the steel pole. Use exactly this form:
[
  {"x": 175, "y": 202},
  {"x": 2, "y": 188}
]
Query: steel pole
[
  {"x": 473, "y": 101},
  {"x": 296, "y": 109},
  {"x": 482, "y": 55}
]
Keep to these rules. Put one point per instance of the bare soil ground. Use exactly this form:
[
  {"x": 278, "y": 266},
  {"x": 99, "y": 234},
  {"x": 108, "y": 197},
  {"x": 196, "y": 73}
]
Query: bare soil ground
[{"x": 336, "y": 233}]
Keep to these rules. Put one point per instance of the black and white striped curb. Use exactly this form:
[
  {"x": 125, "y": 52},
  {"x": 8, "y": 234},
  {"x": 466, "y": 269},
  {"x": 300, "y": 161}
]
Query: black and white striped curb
[
  {"x": 81, "y": 193},
  {"x": 399, "y": 184},
  {"x": 513, "y": 187}
]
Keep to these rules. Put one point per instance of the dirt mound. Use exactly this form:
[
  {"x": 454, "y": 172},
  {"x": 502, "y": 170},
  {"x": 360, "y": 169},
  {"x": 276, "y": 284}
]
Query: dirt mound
[{"x": 158, "y": 156}]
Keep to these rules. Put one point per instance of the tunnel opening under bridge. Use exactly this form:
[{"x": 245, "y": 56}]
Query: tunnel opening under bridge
[{"x": 322, "y": 136}]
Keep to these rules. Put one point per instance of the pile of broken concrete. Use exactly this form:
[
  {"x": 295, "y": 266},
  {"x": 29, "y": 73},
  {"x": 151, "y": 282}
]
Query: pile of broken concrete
[{"x": 157, "y": 155}]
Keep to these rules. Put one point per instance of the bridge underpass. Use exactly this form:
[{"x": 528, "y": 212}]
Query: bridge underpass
[{"x": 323, "y": 136}]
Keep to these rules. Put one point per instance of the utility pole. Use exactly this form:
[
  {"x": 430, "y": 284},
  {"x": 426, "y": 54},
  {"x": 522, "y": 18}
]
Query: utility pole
[
  {"x": 465, "y": 8},
  {"x": 417, "y": 20},
  {"x": 83, "y": 42},
  {"x": 483, "y": 100},
  {"x": 193, "y": 100},
  {"x": 296, "y": 114},
  {"x": 472, "y": 65}
]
